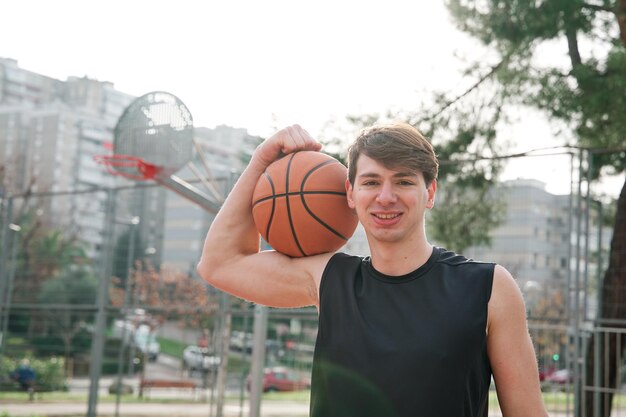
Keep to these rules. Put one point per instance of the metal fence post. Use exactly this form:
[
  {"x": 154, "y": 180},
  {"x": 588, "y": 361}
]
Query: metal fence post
[
  {"x": 577, "y": 337},
  {"x": 97, "y": 343},
  {"x": 11, "y": 278},
  {"x": 258, "y": 359},
  {"x": 4, "y": 239},
  {"x": 134, "y": 221}
]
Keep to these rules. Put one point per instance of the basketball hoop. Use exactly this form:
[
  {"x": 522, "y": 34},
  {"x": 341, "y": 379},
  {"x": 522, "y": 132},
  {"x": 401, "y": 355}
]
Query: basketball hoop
[
  {"x": 152, "y": 140},
  {"x": 128, "y": 166}
]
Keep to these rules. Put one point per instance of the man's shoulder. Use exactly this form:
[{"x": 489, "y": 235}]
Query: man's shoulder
[
  {"x": 455, "y": 259},
  {"x": 344, "y": 259},
  {"x": 458, "y": 266},
  {"x": 344, "y": 255},
  {"x": 341, "y": 261}
]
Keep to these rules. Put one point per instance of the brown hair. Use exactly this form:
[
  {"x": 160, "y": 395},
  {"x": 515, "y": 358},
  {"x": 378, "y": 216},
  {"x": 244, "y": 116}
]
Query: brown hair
[{"x": 395, "y": 145}]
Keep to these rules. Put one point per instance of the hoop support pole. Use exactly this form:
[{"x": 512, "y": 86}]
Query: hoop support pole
[{"x": 188, "y": 191}]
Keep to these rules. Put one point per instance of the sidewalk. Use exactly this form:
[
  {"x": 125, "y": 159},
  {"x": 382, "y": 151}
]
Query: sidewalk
[{"x": 268, "y": 409}]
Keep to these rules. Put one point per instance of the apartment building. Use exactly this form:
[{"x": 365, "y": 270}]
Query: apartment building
[
  {"x": 537, "y": 242},
  {"x": 49, "y": 132}
]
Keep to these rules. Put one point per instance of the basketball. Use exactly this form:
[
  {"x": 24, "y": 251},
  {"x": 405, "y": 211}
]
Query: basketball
[{"x": 299, "y": 205}]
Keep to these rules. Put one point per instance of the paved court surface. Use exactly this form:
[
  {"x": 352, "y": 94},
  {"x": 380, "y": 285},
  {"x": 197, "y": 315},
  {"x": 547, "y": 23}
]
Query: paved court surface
[
  {"x": 268, "y": 409},
  {"x": 41, "y": 408}
]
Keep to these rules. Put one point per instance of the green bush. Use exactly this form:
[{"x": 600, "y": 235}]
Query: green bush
[
  {"x": 111, "y": 358},
  {"x": 53, "y": 344},
  {"x": 7, "y": 365},
  {"x": 110, "y": 365},
  {"x": 47, "y": 345},
  {"x": 51, "y": 373}
]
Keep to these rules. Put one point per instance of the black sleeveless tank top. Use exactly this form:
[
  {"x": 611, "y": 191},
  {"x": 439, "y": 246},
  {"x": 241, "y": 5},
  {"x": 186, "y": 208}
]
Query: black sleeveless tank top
[{"x": 406, "y": 346}]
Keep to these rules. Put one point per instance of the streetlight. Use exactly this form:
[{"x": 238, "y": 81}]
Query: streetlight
[
  {"x": 129, "y": 297},
  {"x": 532, "y": 294}
]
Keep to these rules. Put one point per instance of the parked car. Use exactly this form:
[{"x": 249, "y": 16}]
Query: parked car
[
  {"x": 562, "y": 376},
  {"x": 196, "y": 358},
  {"x": 544, "y": 373},
  {"x": 145, "y": 340},
  {"x": 240, "y": 341},
  {"x": 141, "y": 336},
  {"x": 282, "y": 379}
]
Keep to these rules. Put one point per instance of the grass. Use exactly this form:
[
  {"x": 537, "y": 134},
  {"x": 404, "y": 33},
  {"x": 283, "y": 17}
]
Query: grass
[
  {"x": 172, "y": 347},
  {"x": 298, "y": 396},
  {"x": 175, "y": 348}
]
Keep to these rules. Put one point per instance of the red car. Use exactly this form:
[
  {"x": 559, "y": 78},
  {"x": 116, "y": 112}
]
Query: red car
[
  {"x": 282, "y": 379},
  {"x": 562, "y": 376},
  {"x": 545, "y": 373}
]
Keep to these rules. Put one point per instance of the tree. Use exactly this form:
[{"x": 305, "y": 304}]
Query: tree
[
  {"x": 168, "y": 295},
  {"x": 587, "y": 91},
  {"x": 43, "y": 253},
  {"x": 462, "y": 130},
  {"x": 123, "y": 252},
  {"x": 74, "y": 286},
  {"x": 549, "y": 344}
]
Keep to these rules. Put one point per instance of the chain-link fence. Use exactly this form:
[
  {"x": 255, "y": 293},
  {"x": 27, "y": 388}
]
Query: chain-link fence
[{"x": 99, "y": 295}]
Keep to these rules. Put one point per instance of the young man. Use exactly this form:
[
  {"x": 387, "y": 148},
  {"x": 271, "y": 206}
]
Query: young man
[{"x": 412, "y": 330}]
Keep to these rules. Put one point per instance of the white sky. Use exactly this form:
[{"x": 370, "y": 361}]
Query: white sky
[{"x": 261, "y": 64}]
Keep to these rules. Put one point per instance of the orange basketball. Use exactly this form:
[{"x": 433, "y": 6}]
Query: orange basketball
[{"x": 299, "y": 205}]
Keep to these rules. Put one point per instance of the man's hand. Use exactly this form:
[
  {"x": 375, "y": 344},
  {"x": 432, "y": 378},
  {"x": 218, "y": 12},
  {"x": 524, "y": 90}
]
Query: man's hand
[{"x": 288, "y": 140}]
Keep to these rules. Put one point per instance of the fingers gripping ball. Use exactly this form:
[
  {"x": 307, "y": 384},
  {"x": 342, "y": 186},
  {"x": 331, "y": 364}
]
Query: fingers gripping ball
[{"x": 299, "y": 205}]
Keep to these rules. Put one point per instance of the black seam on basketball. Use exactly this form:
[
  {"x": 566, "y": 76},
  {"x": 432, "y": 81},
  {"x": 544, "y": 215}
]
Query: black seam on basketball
[
  {"x": 296, "y": 193},
  {"x": 269, "y": 222},
  {"x": 306, "y": 207},
  {"x": 293, "y": 231},
  {"x": 315, "y": 168},
  {"x": 320, "y": 221}
]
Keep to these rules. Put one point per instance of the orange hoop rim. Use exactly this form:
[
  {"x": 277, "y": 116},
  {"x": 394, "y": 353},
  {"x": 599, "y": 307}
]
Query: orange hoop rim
[{"x": 145, "y": 170}]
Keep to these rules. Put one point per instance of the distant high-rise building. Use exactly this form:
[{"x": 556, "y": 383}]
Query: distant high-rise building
[
  {"x": 533, "y": 240},
  {"x": 536, "y": 241},
  {"x": 50, "y": 131}
]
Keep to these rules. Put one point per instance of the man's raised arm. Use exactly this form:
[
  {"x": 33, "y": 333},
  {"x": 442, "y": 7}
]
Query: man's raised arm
[{"x": 231, "y": 260}]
